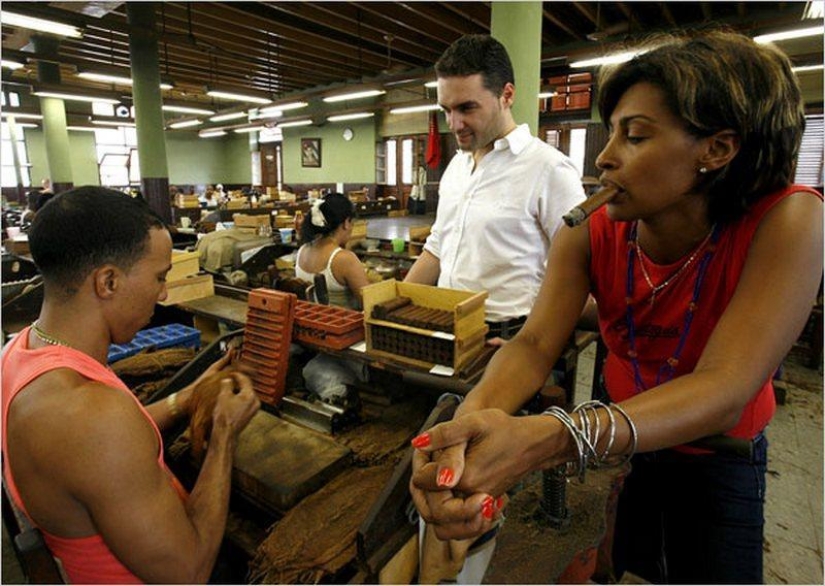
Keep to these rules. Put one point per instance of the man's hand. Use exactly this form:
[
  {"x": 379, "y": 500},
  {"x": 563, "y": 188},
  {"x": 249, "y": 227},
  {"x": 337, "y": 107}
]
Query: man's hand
[{"x": 236, "y": 403}]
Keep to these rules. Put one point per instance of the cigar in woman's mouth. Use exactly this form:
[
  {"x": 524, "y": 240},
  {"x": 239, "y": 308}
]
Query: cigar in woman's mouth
[{"x": 581, "y": 212}]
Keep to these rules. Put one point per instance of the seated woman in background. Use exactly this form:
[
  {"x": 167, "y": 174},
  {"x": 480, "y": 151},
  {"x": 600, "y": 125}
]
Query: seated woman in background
[{"x": 324, "y": 233}]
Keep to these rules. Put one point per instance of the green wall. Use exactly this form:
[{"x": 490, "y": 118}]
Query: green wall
[
  {"x": 84, "y": 158},
  {"x": 194, "y": 160},
  {"x": 341, "y": 161},
  {"x": 191, "y": 160}
]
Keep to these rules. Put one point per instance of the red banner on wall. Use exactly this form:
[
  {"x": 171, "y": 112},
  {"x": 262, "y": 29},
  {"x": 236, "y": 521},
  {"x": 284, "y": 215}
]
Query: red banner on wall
[{"x": 433, "y": 143}]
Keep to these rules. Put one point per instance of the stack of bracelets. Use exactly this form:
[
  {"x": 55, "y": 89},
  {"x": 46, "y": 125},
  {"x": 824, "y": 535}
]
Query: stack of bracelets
[{"x": 586, "y": 435}]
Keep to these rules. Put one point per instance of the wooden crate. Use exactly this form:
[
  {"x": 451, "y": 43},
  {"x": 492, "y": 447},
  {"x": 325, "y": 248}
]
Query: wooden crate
[
  {"x": 421, "y": 347},
  {"x": 184, "y": 264},
  {"x": 248, "y": 221},
  {"x": 188, "y": 289}
]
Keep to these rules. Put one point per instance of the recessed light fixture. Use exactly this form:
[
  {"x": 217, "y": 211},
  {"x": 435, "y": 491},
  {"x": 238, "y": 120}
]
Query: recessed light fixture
[
  {"x": 230, "y": 116},
  {"x": 186, "y": 123},
  {"x": 354, "y": 96},
  {"x": 793, "y": 34},
  {"x": 431, "y": 84},
  {"x": 419, "y": 108},
  {"x": 40, "y": 25},
  {"x": 211, "y": 133},
  {"x": 545, "y": 95},
  {"x": 9, "y": 64},
  {"x": 187, "y": 110}
]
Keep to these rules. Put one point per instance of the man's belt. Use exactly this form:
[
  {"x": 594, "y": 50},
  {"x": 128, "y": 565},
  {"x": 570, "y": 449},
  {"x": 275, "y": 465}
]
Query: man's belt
[{"x": 508, "y": 327}]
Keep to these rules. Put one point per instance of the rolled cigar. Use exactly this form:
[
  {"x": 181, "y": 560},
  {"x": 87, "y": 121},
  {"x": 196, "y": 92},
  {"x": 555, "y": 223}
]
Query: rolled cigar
[
  {"x": 381, "y": 310},
  {"x": 580, "y": 213}
]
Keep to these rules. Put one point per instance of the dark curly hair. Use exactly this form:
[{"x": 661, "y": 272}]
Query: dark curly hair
[
  {"x": 85, "y": 228},
  {"x": 472, "y": 54},
  {"x": 720, "y": 80}
]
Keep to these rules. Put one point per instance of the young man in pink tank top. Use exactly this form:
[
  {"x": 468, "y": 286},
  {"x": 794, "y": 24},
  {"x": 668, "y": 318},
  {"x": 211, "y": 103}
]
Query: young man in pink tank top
[{"x": 82, "y": 457}]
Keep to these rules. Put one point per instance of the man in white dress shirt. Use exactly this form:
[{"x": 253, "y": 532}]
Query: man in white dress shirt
[{"x": 501, "y": 198}]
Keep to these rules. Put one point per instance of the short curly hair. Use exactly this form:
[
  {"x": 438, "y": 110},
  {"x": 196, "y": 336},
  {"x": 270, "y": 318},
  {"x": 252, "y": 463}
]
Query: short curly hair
[
  {"x": 718, "y": 80},
  {"x": 478, "y": 54},
  {"x": 85, "y": 228}
]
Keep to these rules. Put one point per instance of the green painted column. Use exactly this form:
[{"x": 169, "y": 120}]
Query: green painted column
[
  {"x": 517, "y": 25},
  {"x": 55, "y": 134},
  {"x": 143, "y": 53}
]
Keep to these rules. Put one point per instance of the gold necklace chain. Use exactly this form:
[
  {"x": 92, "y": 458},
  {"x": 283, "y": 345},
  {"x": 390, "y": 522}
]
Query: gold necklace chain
[
  {"x": 654, "y": 289},
  {"x": 46, "y": 338}
]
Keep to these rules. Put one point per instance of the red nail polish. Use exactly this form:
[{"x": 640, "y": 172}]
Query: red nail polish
[
  {"x": 422, "y": 441},
  {"x": 499, "y": 503},
  {"x": 487, "y": 512},
  {"x": 445, "y": 477}
]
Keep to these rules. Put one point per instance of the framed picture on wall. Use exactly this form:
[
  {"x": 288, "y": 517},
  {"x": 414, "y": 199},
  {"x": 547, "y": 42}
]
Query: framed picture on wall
[{"x": 310, "y": 152}]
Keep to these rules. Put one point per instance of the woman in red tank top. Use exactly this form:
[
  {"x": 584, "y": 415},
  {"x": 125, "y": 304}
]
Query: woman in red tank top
[{"x": 704, "y": 134}]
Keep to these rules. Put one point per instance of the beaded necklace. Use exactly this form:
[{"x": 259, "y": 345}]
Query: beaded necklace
[
  {"x": 46, "y": 338},
  {"x": 668, "y": 368},
  {"x": 654, "y": 289}
]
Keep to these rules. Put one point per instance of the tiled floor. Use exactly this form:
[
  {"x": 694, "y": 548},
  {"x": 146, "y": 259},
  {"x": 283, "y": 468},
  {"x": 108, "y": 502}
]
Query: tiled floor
[{"x": 794, "y": 509}]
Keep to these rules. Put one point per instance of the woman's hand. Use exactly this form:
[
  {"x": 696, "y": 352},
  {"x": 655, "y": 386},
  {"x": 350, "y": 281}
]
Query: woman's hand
[{"x": 452, "y": 515}]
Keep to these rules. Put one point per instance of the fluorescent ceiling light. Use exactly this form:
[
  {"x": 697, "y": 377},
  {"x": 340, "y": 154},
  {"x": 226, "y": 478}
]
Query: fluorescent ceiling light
[
  {"x": 803, "y": 68},
  {"x": 431, "y": 84},
  {"x": 421, "y": 108},
  {"x": 40, "y": 25},
  {"x": 119, "y": 79},
  {"x": 186, "y": 124},
  {"x": 294, "y": 123},
  {"x": 187, "y": 110},
  {"x": 26, "y": 125},
  {"x": 239, "y": 97},
  {"x": 250, "y": 129},
  {"x": 211, "y": 133},
  {"x": 291, "y": 106},
  {"x": 354, "y": 96},
  {"x": 231, "y": 116},
  {"x": 75, "y": 97},
  {"x": 545, "y": 95},
  {"x": 815, "y": 9},
  {"x": 268, "y": 113},
  {"x": 607, "y": 59},
  {"x": 22, "y": 115},
  {"x": 786, "y": 35},
  {"x": 9, "y": 64},
  {"x": 81, "y": 128},
  {"x": 342, "y": 117},
  {"x": 114, "y": 123}
]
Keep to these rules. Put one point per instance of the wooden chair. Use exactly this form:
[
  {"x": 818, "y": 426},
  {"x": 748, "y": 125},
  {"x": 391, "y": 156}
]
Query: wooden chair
[{"x": 34, "y": 556}]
